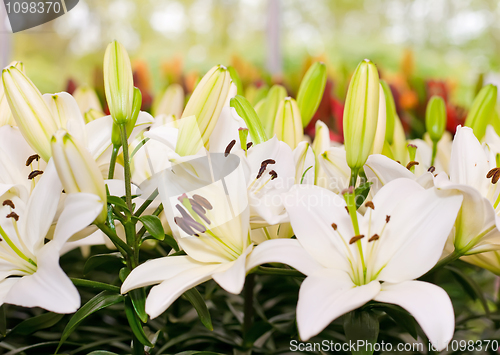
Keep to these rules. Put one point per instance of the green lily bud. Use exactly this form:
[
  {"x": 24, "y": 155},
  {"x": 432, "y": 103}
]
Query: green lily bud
[
  {"x": 207, "y": 100},
  {"x": 380, "y": 133},
  {"x": 171, "y": 102},
  {"x": 6, "y": 117},
  {"x": 76, "y": 168},
  {"x": 319, "y": 145},
  {"x": 288, "y": 123},
  {"x": 360, "y": 114},
  {"x": 435, "y": 118},
  {"x": 116, "y": 138},
  {"x": 390, "y": 112},
  {"x": 92, "y": 115},
  {"x": 189, "y": 141},
  {"x": 31, "y": 113},
  {"x": 481, "y": 112},
  {"x": 118, "y": 82},
  {"x": 87, "y": 99},
  {"x": 246, "y": 111},
  {"x": 398, "y": 147},
  {"x": 311, "y": 91},
  {"x": 236, "y": 79},
  {"x": 267, "y": 112}
]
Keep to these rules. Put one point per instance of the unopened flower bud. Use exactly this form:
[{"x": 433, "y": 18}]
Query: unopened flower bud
[
  {"x": 116, "y": 138},
  {"x": 236, "y": 80},
  {"x": 247, "y": 112},
  {"x": 288, "y": 123},
  {"x": 268, "y": 109},
  {"x": 311, "y": 91},
  {"x": 207, "y": 100},
  {"x": 435, "y": 118},
  {"x": 92, "y": 115},
  {"x": 481, "y": 112},
  {"x": 171, "y": 102},
  {"x": 6, "y": 117},
  {"x": 118, "y": 82},
  {"x": 76, "y": 168},
  {"x": 87, "y": 99},
  {"x": 390, "y": 112},
  {"x": 378, "y": 142},
  {"x": 361, "y": 114}
]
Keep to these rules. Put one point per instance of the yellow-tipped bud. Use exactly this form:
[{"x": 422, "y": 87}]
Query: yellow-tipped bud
[
  {"x": 361, "y": 114},
  {"x": 171, "y": 102},
  {"x": 31, "y": 113},
  {"x": 76, "y": 168},
  {"x": 311, "y": 91},
  {"x": 87, "y": 99},
  {"x": 435, "y": 118},
  {"x": 118, "y": 82},
  {"x": 481, "y": 112},
  {"x": 288, "y": 123},
  {"x": 207, "y": 100}
]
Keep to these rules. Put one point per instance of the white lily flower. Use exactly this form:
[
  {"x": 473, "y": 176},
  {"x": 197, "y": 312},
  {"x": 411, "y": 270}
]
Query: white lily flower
[
  {"x": 29, "y": 269},
  {"x": 399, "y": 240}
]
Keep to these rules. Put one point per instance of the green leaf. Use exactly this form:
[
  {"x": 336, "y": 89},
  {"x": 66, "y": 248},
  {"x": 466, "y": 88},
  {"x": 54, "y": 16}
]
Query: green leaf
[
  {"x": 101, "y": 352},
  {"x": 197, "y": 352},
  {"x": 97, "y": 260},
  {"x": 362, "y": 190},
  {"x": 117, "y": 201},
  {"x": 401, "y": 318},
  {"x": 171, "y": 242},
  {"x": 470, "y": 287},
  {"x": 199, "y": 304},
  {"x": 361, "y": 325},
  {"x": 257, "y": 330},
  {"x": 135, "y": 323},
  {"x": 100, "y": 301},
  {"x": 139, "y": 146},
  {"x": 138, "y": 297},
  {"x": 247, "y": 112},
  {"x": 3, "y": 321},
  {"x": 31, "y": 325},
  {"x": 236, "y": 80},
  {"x": 153, "y": 226}
]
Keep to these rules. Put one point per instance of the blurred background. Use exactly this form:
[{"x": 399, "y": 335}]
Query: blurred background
[{"x": 420, "y": 46}]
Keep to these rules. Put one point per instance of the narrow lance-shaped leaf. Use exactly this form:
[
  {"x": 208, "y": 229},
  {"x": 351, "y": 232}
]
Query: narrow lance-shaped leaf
[
  {"x": 199, "y": 304},
  {"x": 247, "y": 112}
]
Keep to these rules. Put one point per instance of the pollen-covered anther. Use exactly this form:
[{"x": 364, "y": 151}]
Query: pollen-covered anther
[
  {"x": 203, "y": 202},
  {"x": 249, "y": 144},
  {"x": 369, "y": 204},
  {"x": 387, "y": 219},
  {"x": 494, "y": 174},
  {"x": 347, "y": 209},
  {"x": 356, "y": 238},
  {"x": 334, "y": 226},
  {"x": 9, "y": 203},
  {"x": 263, "y": 167},
  {"x": 411, "y": 164},
  {"x": 34, "y": 174},
  {"x": 273, "y": 174},
  {"x": 374, "y": 238},
  {"x": 13, "y": 215},
  {"x": 229, "y": 147},
  {"x": 182, "y": 225},
  {"x": 431, "y": 169},
  {"x": 31, "y": 158}
]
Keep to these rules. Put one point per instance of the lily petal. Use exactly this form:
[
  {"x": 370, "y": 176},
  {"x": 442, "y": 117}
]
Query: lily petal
[
  {"x": 233, "y": 278},
  {"x": 380, "y": 170}
]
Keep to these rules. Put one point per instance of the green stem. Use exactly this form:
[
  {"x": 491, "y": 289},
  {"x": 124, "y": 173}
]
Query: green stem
[
  {"x": 248, "y": 306},
  {"x": 354, "y": 177},
  {"x": 142, "y": 231},
  {"x": 137, "y": 347},
  {"x": 126, "y": 167},
  {"x": 146, "y": 203},
  {"x": 262, "y": 270},
  {"x": 95, "y": 285},
  {"x": 112, "y": 162},
  {"x": 120, "y": 244},
  {"x": 448, "y": 259},
  {"x": 434, "y": 152}
]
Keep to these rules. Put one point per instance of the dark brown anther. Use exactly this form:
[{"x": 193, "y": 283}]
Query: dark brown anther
[
  {"x": 356, "y": 238},
  {"x": 261, "y": 171},
  {"x": 249, "y": 144},
  {"x": 31, "y": 158},
  {"x": 34, "y": 174},
  {"x": 273, "y": 174},
  {"x": 202, "y": 201},
  {"x": 229, "y": 147},
  {"x": 494, "y": 174},
  {"x": 387, "y": 219},
  {"x": 267, "y": 162},
  {"x": 411, "y": 164},
  {"x": 347, "y": 209},
  {"x": 370, "y": 205},
  {"x": 13, "y": 215},
  {"x": 334, "y": 226},
  {"x": 9, "y": 203},
  {"x": 397, "y": 161},
  {"x": 263, "y": 167},
  {"x": 431, "y": 169},
  {"x": 374, "y": 238}
]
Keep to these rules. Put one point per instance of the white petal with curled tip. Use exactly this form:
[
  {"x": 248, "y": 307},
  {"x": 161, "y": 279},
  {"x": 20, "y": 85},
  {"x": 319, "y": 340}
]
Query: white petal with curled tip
[
  {"x": 48, "y": 287},
  {"x": 429, "y": 304},
  {"x": 163, "y": 295},
  {"x": 334, "y": 164},
  {"x": 413, "y": 240},
  {"x": 155, "y": 271},
  {"x": 326, "y": 295},
  {"x": 312, "y": 211},
  {"x": 284, "y": 251},
  {"x": 66, "y": 113},
  {"x": 41, "y": 208},
  {"x": 380, "y": 170},
  {"x": 232, "y": 279}
]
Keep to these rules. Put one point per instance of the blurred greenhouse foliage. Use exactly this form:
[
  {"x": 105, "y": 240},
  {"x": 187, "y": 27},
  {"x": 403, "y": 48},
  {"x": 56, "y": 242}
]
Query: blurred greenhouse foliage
[{"x": 441, "y": 38}]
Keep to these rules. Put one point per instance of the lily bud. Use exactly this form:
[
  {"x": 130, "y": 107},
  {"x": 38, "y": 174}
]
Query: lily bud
[
  {"x": 247, "y": 112},
  {"x": 481, "y": 112},
  {"x": 118, "y": 82},
  {"x": 435, "y": 118},
  {"x": 236, "y": 80},
  {"x": 116, "y": 138},
  {"x": 171, "y": 102},
  {"x": 76, "y": 168},
  {"x": 267, "y": 112},
  {"x": 311, "y": 91},
  {"x": 6, "y": 117},
  {"x": 390, "y": 112},
  {"x": 288, "y": 123},
  {"x": 378, "y": 143},
  {"x": 92, "y": 115},
  {"x": 189, "y": 141},
  {"x": 87, "y": 99},
  {"x": 361, "y": 113},
  {"x": 207, "y": 100},
  {"x": 31, "y": 113}
]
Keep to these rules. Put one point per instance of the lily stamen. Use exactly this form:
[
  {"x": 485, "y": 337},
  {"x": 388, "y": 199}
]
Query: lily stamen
[
  {"x": 494, "y": 174},
  {"x": 229, "y": 147},
  {"x": 31, "y": 159},
  {"x": 13, "y": 215},
  {"x": 34, "y": 174},
  {"x": 374, "y": 238},
  {"x": 370, "y": 205},
  {"x": 356, "y": 238},
  {"x": 203, "y": 202},
  {"x": 412, "y": 164},
  {"x": 9, "y": 203}
]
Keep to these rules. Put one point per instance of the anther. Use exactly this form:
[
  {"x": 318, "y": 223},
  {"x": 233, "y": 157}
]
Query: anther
[
  {"x": 334, "y": 226},
  {"x": 34, "y": 174},
  {"x": 202, "y": 201},
  {"x": 374, "y": 238},
  {"x": 273, "y": 174},
  {"x": 347, "y": 209},
  {"x": 195, "y": 204},
  {"x": 249, "y": 144},
  {"x": 387, "y": 219},
  {"x": 431, "y": 169},
  {"x": 370, "y": 204},
  {"x": 411, "y": 164},
  {"x": 182, "y": 225},
  {"x": 195, "y": 225},
  {"x": 356, "y": 238},
  {"x": 9, "y": 203},
  {"x": 229, "y": 147},
  {"x": 13, "y": 215},
  {"x": 494, "y": 174},
  {"x": 31, "y": 158}
]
